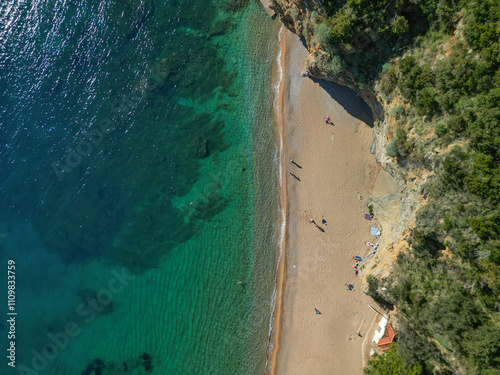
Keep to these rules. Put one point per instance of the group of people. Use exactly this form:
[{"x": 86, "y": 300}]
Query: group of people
[{"x": 374, "y": 250}]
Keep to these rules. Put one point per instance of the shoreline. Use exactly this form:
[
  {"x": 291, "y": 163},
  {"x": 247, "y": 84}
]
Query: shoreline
[
  {"x": 302, "y": 103},
  {"x": 274, "y": 341}
]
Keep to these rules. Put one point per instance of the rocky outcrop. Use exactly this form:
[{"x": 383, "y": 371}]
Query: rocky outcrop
[
  {"x": 317, "y": 70},
  {"x": 303, "y": 17},
  {"x": 200, "y": 148},
  {"x": 395, "y": 210}
]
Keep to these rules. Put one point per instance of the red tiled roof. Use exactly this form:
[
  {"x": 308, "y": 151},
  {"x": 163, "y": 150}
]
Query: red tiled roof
[{"x": 388, "y": 337}]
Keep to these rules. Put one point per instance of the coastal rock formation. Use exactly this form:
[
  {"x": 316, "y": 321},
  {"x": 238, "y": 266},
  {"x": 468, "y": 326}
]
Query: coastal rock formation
[{"x": 302, "y": 17}]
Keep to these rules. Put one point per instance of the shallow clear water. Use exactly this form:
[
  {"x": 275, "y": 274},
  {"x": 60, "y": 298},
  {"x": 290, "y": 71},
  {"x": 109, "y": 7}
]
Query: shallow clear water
[{"x": 138, "y": 185}]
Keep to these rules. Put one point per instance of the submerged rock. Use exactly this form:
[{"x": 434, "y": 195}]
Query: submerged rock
[
  {"x": 222, "y": 27},
  {"x": 200, "y": 148},
  {"x": 94, "y": 368},
  {"x": 234, "y": 6},
  {"x": 145, "y": 356},
  {"x": 148, "y": 366}
]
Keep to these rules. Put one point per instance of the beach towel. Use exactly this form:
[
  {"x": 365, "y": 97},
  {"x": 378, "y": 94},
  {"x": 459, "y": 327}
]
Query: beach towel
[{"x": 374, "y": 231}]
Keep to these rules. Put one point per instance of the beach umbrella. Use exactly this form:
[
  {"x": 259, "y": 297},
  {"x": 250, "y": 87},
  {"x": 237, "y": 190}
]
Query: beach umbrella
[{"x": 327, "y": 118}]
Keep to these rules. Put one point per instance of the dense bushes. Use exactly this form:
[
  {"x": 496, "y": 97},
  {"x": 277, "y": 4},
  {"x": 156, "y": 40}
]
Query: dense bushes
[
  {"x": 341, "y": 26},
  {"x": 323, "y": 33},
  {"x": 391, "y": 364},
  {"x": 389, "y": 81},
  {"x": 368, "y": 32},
  {"x": 432, "y": 297},
  {"x": 483, "y": 346},
  {"x": 399, "y": 146}
]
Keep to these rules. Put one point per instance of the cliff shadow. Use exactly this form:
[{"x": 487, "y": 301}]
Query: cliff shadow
[
  {"x": 303, "y": 41},
  {"x": 352, "y": 102}
]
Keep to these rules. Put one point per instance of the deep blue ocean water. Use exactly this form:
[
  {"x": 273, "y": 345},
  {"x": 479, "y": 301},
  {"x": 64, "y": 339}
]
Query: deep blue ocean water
[{"x": 138, "y": 186}]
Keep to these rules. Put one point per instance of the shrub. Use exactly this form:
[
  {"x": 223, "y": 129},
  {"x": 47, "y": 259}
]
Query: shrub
[
  {"x": 414, "y": 77},
  {"x": 440, "y": 129},
  {"x": 400, "y": 25},
  {"x": 342, "y": 27},
  {"x": 402, "y": 146},
  {"x": 391, "y": 148},
  {"x": 386, "y": 67},
  {"x": 390, "y": 363},
  {"x": 337, "y": 65},
  {"x": 448, "y": 100},
  {"x": 426, "y": 102},
  {"x": 397, "y": 111},
  {"x": 294, "y": 11},
  {"x": 456, "y": 124},
  {"x": 314, "y": 16},
  {"x": 323, "y": 34},
  {"x": 486, "y": 226},
  {"x": 389, "y": 81}
]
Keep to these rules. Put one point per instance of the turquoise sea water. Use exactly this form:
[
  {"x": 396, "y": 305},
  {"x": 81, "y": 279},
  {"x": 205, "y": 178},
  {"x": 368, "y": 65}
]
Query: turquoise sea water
[{"x": 138, "y": 186}]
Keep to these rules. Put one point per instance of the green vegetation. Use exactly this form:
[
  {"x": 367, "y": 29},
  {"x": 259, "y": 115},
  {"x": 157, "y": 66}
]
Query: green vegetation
[
  {"x": 447, "y": 285},
  {"x": 323, "y": 33},
  {"x": 366, "y": 33},
  {"x": 391, "y": 364}
]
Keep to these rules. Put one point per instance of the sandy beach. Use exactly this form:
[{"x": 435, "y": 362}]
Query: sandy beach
[{"x": 335, "y": 174}]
